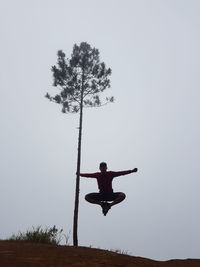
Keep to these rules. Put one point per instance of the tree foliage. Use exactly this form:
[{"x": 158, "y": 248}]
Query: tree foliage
[{"x": 80, "y": 79}]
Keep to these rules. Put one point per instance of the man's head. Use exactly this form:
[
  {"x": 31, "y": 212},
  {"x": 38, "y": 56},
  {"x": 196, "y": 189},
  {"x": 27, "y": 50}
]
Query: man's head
[{"x": 103, "y": 166}]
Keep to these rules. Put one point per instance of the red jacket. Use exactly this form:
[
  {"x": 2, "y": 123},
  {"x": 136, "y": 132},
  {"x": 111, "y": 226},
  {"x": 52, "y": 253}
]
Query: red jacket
[{"x": 104, "y": 180}]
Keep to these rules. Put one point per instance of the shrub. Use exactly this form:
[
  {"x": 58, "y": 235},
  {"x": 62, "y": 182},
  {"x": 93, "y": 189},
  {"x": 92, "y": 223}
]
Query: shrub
[
  {"x": 38, "y": 235},
  {"x": 119, "y": 251}
]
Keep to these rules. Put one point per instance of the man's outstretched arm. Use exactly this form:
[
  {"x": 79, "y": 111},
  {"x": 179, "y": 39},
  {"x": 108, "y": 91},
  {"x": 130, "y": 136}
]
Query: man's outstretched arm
[
  {"x": 116, "y": 174},
  {"x": 89, "y": 175}
]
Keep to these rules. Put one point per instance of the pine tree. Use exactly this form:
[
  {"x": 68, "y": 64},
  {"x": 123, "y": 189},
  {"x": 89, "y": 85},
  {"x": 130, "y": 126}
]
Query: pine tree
[{"x": 80, "y": 79}]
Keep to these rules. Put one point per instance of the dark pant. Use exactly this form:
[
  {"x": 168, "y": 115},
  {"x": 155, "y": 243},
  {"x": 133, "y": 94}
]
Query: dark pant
[{"x": 104, "y": 196}]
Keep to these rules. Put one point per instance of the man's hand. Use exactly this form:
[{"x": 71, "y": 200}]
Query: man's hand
[{"x": 135, "y": 170}]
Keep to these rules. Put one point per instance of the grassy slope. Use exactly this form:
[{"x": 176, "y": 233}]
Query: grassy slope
[{"x": 20, "y": 254}]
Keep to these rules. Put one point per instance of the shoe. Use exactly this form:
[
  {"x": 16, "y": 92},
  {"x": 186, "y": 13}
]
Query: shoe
[{"x": 105, "y": 207}]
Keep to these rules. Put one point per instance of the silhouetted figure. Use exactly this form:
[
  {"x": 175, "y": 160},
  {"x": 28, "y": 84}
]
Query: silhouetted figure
[{"x": 104, "y": 180}]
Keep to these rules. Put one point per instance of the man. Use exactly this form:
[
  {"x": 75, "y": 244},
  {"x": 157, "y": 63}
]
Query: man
[{"x": 104, "y": 180}]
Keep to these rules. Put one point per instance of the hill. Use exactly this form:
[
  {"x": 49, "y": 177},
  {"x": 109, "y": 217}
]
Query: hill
[{"x": 21, "y": 254}]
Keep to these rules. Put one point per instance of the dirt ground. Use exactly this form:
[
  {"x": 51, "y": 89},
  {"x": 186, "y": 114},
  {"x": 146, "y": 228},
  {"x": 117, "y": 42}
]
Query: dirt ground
[{"x": 19, "y": 254}]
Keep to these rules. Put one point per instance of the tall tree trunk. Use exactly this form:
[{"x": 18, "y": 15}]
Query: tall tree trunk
[{"x": 75, "y": 226}]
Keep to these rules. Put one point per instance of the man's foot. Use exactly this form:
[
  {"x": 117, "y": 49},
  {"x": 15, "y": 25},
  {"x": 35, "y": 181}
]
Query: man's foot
[{"x": 105, "y": 207}]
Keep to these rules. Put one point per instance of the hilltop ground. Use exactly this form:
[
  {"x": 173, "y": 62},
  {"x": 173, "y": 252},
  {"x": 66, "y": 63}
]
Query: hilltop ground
[{"x": 21, "y": 254}]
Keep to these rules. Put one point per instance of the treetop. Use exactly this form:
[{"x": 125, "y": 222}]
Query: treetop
[{"x": 80, "y": 79}]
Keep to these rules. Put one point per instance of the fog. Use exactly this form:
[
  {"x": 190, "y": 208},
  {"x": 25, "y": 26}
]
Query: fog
[{"x": 152, "y": 48}]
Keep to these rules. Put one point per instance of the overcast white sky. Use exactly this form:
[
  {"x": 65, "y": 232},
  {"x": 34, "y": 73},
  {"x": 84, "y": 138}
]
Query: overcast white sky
[{"x": 152, "y": 47}]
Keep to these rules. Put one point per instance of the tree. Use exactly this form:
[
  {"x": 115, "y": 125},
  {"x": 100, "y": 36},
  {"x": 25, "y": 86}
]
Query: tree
[{"x": 80, "y": 79}]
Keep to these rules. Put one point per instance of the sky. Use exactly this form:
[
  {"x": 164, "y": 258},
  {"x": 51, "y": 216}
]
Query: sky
[{"x": 152, "y": 48}]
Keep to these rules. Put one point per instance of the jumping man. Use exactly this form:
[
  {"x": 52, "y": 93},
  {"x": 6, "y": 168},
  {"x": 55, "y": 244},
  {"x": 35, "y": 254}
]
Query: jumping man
[{"x": 104, "y": 180}]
